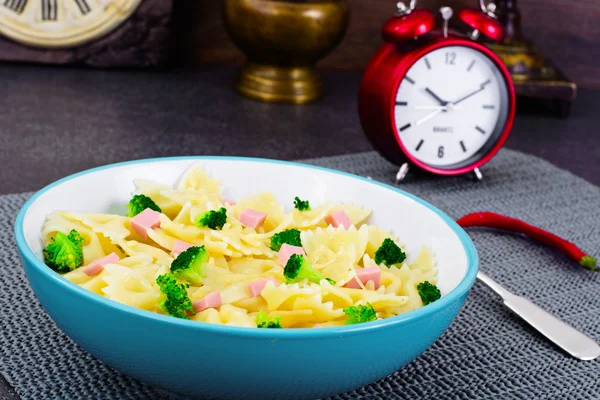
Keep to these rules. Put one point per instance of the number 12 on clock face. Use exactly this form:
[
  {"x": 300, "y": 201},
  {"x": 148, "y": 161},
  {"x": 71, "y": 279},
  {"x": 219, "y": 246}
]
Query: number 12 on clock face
[{"x": 451, "y": 106}]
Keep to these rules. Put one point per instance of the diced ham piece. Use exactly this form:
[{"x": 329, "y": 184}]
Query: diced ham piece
[
  {"x": 365, "y": 275},
  {"x": 317, "y": 326},
  {"x": 211, "y": 300},
  {"x": 286, "y": 251},
  {"x": 147, "y": 219},
  {"x": 179, "y": 247},
  {"x": 252, "y": 218},
  {"x": 338, "y": 218},
  {"x": 255, "y": 288},
  {"x": 228, "y": 202},
  {"x": 96, "y": 266}
]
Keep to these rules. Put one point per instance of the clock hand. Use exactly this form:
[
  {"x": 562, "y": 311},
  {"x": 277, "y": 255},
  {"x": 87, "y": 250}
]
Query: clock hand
[
  {"x": 429, "y": 116},
  {"x": 435, "y": 96},
  {"x": 481, "y": 87}
]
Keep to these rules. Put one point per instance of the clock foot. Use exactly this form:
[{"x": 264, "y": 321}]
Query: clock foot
[
  {"x": 401, "y": 174},
  {"x": 478, "y": 175}
]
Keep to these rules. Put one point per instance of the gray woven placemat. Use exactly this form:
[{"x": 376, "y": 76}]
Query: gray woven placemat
[{"x": 486, "y": 353}]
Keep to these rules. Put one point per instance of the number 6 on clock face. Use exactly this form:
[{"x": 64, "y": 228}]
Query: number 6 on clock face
[{"x": 451, "y": 107}]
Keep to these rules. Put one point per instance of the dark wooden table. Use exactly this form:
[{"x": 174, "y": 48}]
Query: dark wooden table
[{"x": 54, "y": 122}]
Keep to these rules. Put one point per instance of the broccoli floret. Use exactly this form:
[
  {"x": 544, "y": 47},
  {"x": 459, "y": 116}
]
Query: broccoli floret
[
  {"x": 298, "y": 268},
  {"x": 302, "y": 205},
  {"x": 289, "y": 236},
  {"x": 360, "y": 313},
  {"x": 428, "y": 292},
  {"x": 177, "y": 303},
  {"x": 214, "y": 219},
  {"x": 389, "y": 253},
  {"x": 65, "y": 253},
  {"x": 190, "y": 265},
  {"x": 139, "y": 203},
  {"x": 263, "y": 320}
]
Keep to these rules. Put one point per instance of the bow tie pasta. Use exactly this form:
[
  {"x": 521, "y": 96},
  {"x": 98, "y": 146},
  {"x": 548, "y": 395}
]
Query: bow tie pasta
[{"x": 188, "y": 252}]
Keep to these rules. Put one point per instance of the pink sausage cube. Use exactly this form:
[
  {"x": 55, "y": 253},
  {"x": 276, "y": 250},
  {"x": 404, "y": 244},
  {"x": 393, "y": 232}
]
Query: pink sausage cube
[
  {"x": 365, "y": 275},
  {"x": 211, "y": 300},
  {"x": 147, "y": 219},
  {"x": 228, "y": 202},
  {"x": 96, "y": 266},
  {"x": 338, "y": 218},
  {"x": 179, "y": 247},
  {"x": 286, "y": 251},
  {"x": 252, "y": 218},
  {"x": 255, "y": 288}
]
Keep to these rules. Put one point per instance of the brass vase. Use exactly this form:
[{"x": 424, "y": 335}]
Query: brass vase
[{"x": 283, "y": 40}]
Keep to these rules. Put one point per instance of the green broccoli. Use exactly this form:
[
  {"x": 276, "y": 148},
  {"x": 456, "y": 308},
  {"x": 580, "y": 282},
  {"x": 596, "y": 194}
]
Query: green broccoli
[
  {"x": 190, "y": 265},
  {"x": 177, "y": 303},
  {"x": 428, "y": 292},
  {"x": 389, "y": 253},
  {"x": 298, "y": 268},
  {"x": 263, "y": 321},
  {"x": 65, "y": 253},
  {"x": 302, "y": 205},
  {"x": 289, "y": 236},
  {"x": 214, "y": 219},
  {"x": 139, "y": 203},
  {"x": 360, "y": 313}
]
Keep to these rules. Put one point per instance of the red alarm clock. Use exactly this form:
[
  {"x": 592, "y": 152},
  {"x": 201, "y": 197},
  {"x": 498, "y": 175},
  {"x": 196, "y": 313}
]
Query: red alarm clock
[{"x": 436, "y": 100}]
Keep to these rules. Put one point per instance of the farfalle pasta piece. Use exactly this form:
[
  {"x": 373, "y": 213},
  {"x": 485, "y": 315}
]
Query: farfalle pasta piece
[
  {"x": 196, "y": 178},
  {"x": 188, "y": 233},
  {"x": 134, "y": 248},
  {"x": 376, "y": 236},
  {"x": 232, "y": 237},
  {"x": 377, "y": 298},
  {"x": 92, "y": 246},
  {"x": 310, "y": 218},
  {"x": 357, "y": 214},
  {"x": 322, "y": 311},
  {"x": 334, "y": 265},
  {"x": 263, "y": 202},
  {"x": 128, "y": 286},
  {"x": 153, "y": 190},
  {"x": 227, "y": 314},
  {"x": 283, "y": 296},
  {"x": 336, "y": 239},
  {"x": 194, "y": 197}
]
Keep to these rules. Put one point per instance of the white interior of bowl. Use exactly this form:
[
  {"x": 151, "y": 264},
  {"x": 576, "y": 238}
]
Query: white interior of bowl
[{"x": 109, "y": 189}]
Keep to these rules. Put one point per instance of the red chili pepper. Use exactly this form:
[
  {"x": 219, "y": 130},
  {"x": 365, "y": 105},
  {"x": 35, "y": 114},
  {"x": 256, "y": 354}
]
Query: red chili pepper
[{"x": 497, "y": 221}]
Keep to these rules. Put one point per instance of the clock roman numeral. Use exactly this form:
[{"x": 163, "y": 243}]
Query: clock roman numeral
[
  {"x": 49, "y": 10},
  {"x": 83, "y": 6},
  {"x": 15, "y": 5}
]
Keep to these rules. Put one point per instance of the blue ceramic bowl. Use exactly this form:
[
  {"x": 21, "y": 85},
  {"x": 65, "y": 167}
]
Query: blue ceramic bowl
[{"x": 213, "y": 361}]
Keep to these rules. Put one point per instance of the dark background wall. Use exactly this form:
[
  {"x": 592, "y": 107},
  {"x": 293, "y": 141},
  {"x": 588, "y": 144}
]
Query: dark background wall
[{"x": 568, "y": 31}]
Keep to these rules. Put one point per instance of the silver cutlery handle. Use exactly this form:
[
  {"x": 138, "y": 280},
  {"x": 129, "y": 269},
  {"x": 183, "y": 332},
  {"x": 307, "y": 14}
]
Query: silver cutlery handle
[{"x": 563, "y": 335}]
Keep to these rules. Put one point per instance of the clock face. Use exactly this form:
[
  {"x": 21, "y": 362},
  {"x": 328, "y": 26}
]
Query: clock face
[
  {"x": 61, "y": 23},
  {"x": 451, "y": 107}
]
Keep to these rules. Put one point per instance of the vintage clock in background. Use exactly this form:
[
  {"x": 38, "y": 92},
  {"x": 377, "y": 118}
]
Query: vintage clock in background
[
  {"x": 437, "y": 100},
  {"x": 92, "y": 32}
]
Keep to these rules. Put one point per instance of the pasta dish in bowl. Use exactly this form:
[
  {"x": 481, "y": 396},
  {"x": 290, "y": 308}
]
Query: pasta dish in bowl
[{"x": 210, "y": 251}]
